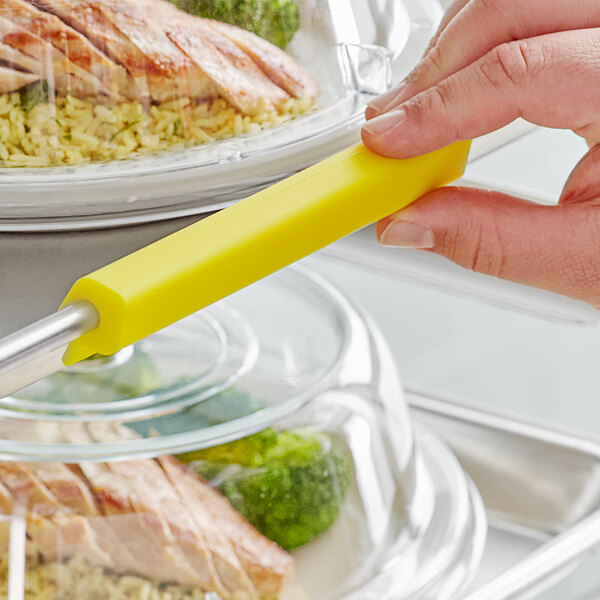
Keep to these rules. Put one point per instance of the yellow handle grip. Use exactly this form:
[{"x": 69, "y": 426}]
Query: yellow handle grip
[{"x": 188, "y": 270}]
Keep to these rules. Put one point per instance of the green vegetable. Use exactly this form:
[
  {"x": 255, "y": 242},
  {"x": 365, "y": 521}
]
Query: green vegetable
[
  {"x": 34, "y": 94},
  {"x": 274, "y": 20},
  {"x": 124, "y": 128},
  {"x": 289, "y": 485},
  {"x": 224, "y": 406},
  {"x": 176, "y": 126},
  {"x": 228, "y": 405},
  {"x": 135, "y": 377}
]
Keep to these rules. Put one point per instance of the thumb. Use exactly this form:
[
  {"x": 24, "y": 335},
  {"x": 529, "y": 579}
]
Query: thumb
[
  {"x": 556, "y": 248},
  {"x": 584, "y": 182}
]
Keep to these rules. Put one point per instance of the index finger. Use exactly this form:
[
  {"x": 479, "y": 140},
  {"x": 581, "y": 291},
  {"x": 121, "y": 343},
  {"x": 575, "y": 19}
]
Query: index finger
[
  {"x": 481, "y": 26},
  {"x": 375, "y": 107}
]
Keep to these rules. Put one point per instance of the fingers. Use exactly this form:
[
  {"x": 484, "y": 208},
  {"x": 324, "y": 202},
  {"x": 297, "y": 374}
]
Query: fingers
[
  {"x": 481, "y": 26},
  {"x": 376, "y": 106},
  {"x": 583, "y": 184},
  {"x": 554, "y": 248},
  {"x": 452, "y": 11},
  {"x": 549, "y": 80}
]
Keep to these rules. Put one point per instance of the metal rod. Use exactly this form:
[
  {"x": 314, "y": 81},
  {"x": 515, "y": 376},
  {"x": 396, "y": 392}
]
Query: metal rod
[
  {"x": 36, "y": 351},
  {"x": 525, "y": 579}
]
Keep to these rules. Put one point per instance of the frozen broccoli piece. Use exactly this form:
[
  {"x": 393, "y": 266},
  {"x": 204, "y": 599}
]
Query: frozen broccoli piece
[
  {"x": 289, "y": 485},
  {"x": 274, "y": 20}
]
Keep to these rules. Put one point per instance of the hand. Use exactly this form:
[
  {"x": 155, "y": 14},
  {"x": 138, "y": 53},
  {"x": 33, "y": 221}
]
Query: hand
[{"x": 491, "y": 62}]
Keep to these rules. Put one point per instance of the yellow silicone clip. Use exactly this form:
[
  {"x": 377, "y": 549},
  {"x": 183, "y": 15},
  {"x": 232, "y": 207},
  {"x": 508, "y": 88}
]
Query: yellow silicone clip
[{"x": 189, "y": 270}]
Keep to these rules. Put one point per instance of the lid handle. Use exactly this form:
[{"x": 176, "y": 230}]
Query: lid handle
[{"x": 189, "y": 270}]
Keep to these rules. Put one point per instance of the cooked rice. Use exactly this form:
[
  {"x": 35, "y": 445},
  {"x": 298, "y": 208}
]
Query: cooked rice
[
  {"x": 72, "y": 131},
  {"x": 77, "y": 579}
]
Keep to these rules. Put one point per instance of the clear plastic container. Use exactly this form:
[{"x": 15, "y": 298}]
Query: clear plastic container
[
  {"x": 342, "y": 55},
  {"x": 285, "y": 400}
]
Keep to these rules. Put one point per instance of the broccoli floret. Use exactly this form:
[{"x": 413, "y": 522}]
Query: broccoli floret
[
  {"x": 289, "y": 485},
  {"x": 228, "y": 405},
  {"x": 135, "y": 377},
  {"x": 274, "y": 20}
]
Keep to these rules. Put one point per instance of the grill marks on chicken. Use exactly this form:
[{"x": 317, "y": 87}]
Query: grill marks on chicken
[
  {"x": 54, "y": 532},
  {"x": 159, "y": 71},
  {"x": 143, "y": 49},
  {"x": 228, "y": 573},
  {"x": 267, "y": 565},
  {"x": 153, "y": 518},
  {"x": 233, "y": 73},
  {"x": 75, "y": 47},
  {"x": 51, "y": 64},
  {"x": 280, "y": 67},
  {"x": 11, "y": 79}
]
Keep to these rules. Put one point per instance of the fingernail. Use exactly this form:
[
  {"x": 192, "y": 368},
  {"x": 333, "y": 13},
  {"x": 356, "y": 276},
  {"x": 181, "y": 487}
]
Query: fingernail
[
  {"x": 398, "y": 98},
  {"x": 407, "y": 235},
  {"x": 385, "y": 122},
  {"x": 385, "y": 101}
]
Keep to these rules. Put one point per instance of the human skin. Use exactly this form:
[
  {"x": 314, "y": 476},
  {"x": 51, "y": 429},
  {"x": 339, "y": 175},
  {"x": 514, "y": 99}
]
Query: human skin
[{"x": 491, "y": 62}]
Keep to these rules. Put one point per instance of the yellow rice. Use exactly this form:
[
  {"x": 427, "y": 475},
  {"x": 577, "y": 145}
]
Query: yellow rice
[
  {"x": 73, "y": 131},
  {"x": 76, "y": 579}
]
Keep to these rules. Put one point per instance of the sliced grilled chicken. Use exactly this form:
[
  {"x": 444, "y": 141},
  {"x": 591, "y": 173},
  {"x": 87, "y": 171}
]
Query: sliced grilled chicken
[
  {"x": 65, "y": 39},
  {"x": 68, "y": 485},
  {"x": 52, "y": 64},
  {"x": 70, "y": 532},
  {"x": 15, "y": 58},
  {"x": 230, "y": 569},
  {"x": 11, "y": 79},
  {"x": 268, "y": 566},
  {"x": 280, "y": 67},
  {"x": 236, "y": 77},
  {"x": 124, "y": 561},
  {"x": 152, "y": 518},
  {"x": 140, "y": 528},
  {"x": 174, "y": 75},
  {"x": 131, "y": 36},
  {"x": 230, "y": 575},
  {"x": 40, "y": 531},
  {"x": 134, "y": 520},
  {"x": 170, "y": 54},
  {"x": 156, "y": 488}
]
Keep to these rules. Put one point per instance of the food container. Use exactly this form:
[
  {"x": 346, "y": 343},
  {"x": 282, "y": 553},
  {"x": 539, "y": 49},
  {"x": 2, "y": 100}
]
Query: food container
[
  {"x": 283, "y": 397},
  {"x": 58, "y": 222}
]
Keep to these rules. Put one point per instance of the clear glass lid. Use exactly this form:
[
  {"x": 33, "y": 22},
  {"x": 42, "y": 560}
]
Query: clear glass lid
[
  {"x": 226, "y": 371},
  {"x": 131, "y": 108},
  {"x": 259, "y": 450}
]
